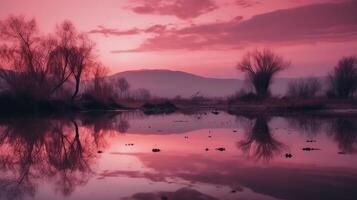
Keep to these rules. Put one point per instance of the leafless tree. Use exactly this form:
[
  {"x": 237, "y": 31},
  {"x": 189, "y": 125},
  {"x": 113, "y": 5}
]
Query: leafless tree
[
  {"x": 82, "y": 60},
  {"x": 260, "y": 143},
  {"x": 123, "y": 87},
  {"x": 304, "y": 88},
  {"x": 141, "y": 94},
  {"x": 260, "y": 68},
  {"x": 24, "y": 56},
  {"x": 38, "y": 65},
  {"x": 343, "y": 80},
  {"x": 101, "y": 90}
]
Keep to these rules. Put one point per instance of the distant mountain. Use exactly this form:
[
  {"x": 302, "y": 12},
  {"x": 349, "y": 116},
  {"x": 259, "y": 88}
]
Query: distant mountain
[{"x": 167, "y": 83}]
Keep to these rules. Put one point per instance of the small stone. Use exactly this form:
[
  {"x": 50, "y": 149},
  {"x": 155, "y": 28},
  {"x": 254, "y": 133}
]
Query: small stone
[
  {"x": 288, "y": 155},
  {"x": 221, "y": 149},
  {"x": 156, "y": 150}
]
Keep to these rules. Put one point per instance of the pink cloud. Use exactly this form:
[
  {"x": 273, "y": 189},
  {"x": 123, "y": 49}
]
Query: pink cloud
[
  {"x": 183, "y": 9},
  {"x": 134, "y": 31},
  {"x": 109, "y": 31},
  {"x": 246, "y": 3},
  {"x": 331, "y": 22}
]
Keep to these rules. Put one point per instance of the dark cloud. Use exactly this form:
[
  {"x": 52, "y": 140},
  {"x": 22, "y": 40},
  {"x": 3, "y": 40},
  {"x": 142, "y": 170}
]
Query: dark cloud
[
  {"x": 183, "y": 9},
  {"x": 308, "y": 24}
]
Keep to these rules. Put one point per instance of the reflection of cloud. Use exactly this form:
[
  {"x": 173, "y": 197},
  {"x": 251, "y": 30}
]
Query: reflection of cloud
[
  {"x": 183, "y": 193},
  {"x": 183, "y": 9},
  {"x": 288, "y": 182},
  {"x": 308, "y": 24}
]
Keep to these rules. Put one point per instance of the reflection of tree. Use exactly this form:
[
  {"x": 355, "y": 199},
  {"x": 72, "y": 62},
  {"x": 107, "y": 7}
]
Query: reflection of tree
[
  {"x": 308, "y": 125},
  {"x": 344, "y": 131},
  {"x": 260, "y": 142},
  {"x": 105, "y": 123},
  {"x": 33, "y": 149}
]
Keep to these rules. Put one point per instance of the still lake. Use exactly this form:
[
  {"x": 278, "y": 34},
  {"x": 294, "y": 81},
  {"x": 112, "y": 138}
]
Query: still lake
[{"x": 200, "y": 156}]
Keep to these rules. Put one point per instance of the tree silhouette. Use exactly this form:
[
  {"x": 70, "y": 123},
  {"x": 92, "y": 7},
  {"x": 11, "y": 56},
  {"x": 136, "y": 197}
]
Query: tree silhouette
[
  {"x": 260, "y": 68},
  {"x": 343, "y": 80},
  {"x": 36, "y": 66},
  {"x": 344, "y": 131},
  {"x": 259, "y": 143},
  {"x": 52, "y": 149}
]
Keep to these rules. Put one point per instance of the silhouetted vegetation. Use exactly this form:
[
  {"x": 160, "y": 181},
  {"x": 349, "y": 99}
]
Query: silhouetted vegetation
[
  {"x": 344, "y": 131},
  {"x": 39, "y": 68},
  {"x": 304, "y": 88},
  {"x": 159, "y": 108},
  {"x": 260, "y": 68},
  {"x": 40, "y": 73},
  {"x": 343, "y": 80},
  {"x": 259, "y": 142},
  {"x": 58, "y": 150}
]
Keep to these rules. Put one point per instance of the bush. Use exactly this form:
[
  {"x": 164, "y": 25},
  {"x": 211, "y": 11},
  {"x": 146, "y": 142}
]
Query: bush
[
  {"x": 304, "y": 88},
  {"x": 343, "y": 80},
  {"x": 166, "y": 107}
]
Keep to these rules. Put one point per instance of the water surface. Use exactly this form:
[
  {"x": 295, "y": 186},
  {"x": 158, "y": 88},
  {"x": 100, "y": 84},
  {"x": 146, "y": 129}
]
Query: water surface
[{"x": 202, "y": 156}]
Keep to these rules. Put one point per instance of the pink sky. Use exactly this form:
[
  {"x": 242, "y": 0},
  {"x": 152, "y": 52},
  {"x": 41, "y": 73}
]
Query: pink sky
[{"x": 205, "y": 37}]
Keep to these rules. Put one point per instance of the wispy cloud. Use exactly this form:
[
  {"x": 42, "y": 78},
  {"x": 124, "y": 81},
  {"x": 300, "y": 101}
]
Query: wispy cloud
[{"x": 134, "y": 31}]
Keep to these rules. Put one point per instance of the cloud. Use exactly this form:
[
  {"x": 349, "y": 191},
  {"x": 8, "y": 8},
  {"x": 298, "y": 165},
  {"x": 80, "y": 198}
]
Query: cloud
[
  {"x": 134, "y": 31},
  {"x": 108, "y": 31},
  {"x": 246, "y": 3},
  {"x": 183, "y": 9},
  {"x": 331, "y": 22}
]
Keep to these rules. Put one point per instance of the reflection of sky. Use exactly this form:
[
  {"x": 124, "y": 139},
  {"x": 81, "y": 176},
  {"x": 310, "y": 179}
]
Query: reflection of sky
[{"x": 184, "y": 167}]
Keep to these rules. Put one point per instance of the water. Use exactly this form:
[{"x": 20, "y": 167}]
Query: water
[{"x": 109, "y": 156}]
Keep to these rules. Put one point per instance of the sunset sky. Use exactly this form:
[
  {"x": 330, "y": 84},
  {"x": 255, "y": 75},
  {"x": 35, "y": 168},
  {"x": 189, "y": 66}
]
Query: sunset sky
[{"x": 204, "y": 37}]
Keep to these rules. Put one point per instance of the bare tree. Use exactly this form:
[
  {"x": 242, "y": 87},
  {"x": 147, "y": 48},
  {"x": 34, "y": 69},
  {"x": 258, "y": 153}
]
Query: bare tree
[
  {"x": 304, "y": 88},
  {"x": 343, "y": 80},
  {"x": 260, "y": 68},
  {"x": 81, "y": 61},
  {"x": 123, "y": 87},
  {"x": 61, "y": 56},
  {"x": 35, "y": 65},
  {"x": 141, "y": 94},
  {"x": 101, "y": 90},
  {"x": 24, "y": 57}
]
